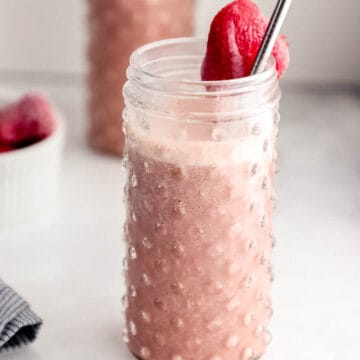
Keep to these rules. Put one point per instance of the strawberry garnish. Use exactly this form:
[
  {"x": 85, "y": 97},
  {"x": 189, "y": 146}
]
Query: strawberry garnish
[{"x": 235, "y": 37}]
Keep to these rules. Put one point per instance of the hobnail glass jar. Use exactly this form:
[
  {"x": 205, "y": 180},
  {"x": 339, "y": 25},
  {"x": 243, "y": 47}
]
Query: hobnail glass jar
[
  {"x": 116, "y": 28},
  {"x": 200, "y": 158}
]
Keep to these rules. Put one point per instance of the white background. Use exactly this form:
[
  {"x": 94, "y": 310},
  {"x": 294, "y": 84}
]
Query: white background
[
  {"x": 50, "y": 35},
  {"x": 69, "y": 267}
]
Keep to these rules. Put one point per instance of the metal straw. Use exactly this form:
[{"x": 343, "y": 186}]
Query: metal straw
[{"x": 272, "y": 33}]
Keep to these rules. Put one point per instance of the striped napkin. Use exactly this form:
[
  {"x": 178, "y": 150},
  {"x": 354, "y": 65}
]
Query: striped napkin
[{"x": 18, "y": 324}]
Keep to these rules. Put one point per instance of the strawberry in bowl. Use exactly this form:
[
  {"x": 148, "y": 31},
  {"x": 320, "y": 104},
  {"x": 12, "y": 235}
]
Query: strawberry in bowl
[
  {"x": 31, "y": 142},
  {"x": 26, "y": 122}
]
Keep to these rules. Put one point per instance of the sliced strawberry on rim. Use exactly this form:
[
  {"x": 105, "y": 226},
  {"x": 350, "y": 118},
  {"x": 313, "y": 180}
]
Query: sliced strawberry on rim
[{"x": 234, "y": 39}]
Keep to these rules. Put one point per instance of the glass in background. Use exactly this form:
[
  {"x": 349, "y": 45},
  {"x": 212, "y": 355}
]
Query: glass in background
[{"x": 116, "y": 28}]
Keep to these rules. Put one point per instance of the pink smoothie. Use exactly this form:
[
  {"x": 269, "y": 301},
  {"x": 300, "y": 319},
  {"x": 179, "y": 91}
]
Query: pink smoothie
[
  {"x": 116, "y": 28},
  {"x": 199, "y": 242}
]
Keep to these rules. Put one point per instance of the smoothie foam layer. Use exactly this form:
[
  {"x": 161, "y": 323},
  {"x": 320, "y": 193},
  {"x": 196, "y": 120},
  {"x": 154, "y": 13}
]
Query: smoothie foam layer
[{"x": 218, "y": 145}]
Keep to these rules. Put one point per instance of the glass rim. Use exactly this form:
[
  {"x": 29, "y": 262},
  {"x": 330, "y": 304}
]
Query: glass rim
[{"x": 238, "y": 82}]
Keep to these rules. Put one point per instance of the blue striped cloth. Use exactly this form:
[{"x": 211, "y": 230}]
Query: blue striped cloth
[{"x": 18, "y": 324}]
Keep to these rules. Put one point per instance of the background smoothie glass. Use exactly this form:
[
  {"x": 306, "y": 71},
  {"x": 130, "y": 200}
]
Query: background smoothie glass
[
  {"x": 200, "y": 158},
  {"x": 116, "y": 28}
]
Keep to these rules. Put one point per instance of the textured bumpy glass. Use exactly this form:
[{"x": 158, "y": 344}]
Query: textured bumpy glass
[
  {"x": 201, "y": 159},
  {"x": 116, "y": 28}
]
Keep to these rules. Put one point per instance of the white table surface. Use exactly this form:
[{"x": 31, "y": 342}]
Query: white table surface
[{"x": 69, "y": 265}]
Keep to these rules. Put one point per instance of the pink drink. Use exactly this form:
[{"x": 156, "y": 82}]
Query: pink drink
[
  {"x": 200, "y": 202},
  {"x": 116, "y": 28}
]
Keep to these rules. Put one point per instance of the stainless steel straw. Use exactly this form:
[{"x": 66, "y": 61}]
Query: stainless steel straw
[{"x": 272, "y": 33}]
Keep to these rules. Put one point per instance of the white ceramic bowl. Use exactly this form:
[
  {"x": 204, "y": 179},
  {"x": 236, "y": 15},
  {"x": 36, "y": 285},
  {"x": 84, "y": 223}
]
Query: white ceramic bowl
[{"x": 29, "y": 176}]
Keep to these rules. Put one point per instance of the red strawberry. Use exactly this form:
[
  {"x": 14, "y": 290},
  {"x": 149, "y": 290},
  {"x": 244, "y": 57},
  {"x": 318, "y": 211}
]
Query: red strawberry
[
  {"x": 234, "y": 39},
  {"x": 5, "y": 148},
  {"x": 27, "y": 121}
]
